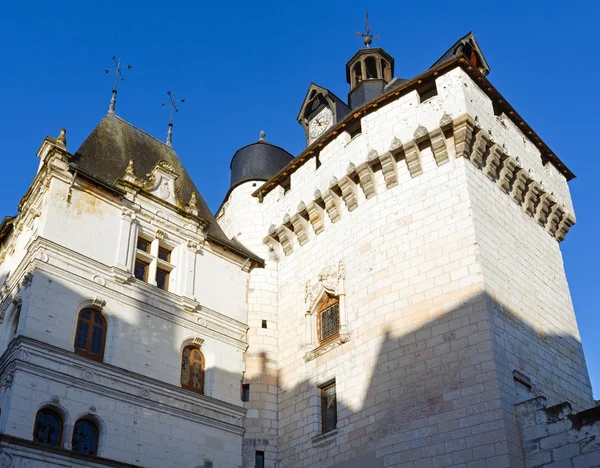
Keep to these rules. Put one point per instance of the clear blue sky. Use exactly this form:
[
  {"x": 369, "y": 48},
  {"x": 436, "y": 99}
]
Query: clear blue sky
[{"x": 245, "y": 66}]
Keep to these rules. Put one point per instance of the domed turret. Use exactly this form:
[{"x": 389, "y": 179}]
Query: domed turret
[{"x": 258, "y": 161}]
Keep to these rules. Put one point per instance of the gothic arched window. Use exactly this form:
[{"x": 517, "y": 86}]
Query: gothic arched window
[
  {"x": 85, "y": 437},
  {"x": 328, "y": 319},
  {"x": 48, "y": 428},
  {"x": 91, "y": 334},
  {"x": 192, "y": 369}
]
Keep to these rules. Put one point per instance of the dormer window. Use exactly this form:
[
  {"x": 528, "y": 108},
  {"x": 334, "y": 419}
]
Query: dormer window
[{"x": 153, "y": 262}]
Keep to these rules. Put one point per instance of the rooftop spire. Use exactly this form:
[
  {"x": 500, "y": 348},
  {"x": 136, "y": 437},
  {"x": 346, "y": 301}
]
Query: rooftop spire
[
  {"x": 172, "y": 107},
  {"x": 118, "y": 77},
  {"x": 367, "y": 36},
  {"x": 262, "y": 135}
]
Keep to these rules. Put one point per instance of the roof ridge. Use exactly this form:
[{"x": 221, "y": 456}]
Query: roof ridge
[{"x": 142, "y": 131}]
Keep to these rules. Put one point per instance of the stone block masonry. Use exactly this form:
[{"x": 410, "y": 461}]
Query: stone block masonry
[{"x": 556, "y": 437}]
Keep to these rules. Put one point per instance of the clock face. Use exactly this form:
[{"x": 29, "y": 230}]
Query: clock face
[{"x": 321, "y": 122}]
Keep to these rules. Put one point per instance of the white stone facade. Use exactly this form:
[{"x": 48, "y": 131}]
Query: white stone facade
[{"x": 437, "y": 228}]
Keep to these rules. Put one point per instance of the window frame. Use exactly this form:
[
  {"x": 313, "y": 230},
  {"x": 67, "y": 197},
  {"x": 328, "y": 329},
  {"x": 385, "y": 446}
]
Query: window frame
[
  {"x": 87, "y": 352},
  {"x": 61, "y": 423},
  {"x": 187, "y": 386},
  {"x": 151, "y": 258},
  {"x": 96, "y": 435},
  {"x": 328, "y": 303},
  {"x": 322, "y": 389}
]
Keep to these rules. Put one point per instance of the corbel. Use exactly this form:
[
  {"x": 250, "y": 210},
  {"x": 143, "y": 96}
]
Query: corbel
[
  {"x": 286, "y": 237},
  {"x": 507, "y": 173},
  {"x": 316, "y": 214},
  {"x": 554, "y": 218},
  {"x": 479, "y": 146},
  {"x": 532, "y": 196},
  {"x": 300, "y": 224},
  {"x": 519, "y": 185},
  {"x": 389, "y": 169},
  {"x": 411, "y": 155},
  {"x": 367, "y": 179},
  {"x": 349, "y": 191},
  {"x": 332, "y": 204},
  {"x": 493, "y": 161},
  {"x": 438, "y": 146},
  {"x": 543, "y": 209},
  {"x": 563, "y": 227},
  {"x": 463, "y": 135}
]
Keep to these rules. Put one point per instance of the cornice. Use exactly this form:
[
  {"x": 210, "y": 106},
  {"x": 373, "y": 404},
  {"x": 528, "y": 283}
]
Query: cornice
[
  {"x": 485, "y": 85},
  {"x": 38, "y": 359}
]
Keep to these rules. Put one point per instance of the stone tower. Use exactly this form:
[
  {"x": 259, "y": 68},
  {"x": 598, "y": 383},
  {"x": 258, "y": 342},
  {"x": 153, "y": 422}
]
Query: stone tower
[{"x": 419, "y": 285}]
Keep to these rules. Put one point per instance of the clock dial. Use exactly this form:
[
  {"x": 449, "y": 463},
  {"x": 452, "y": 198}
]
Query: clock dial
[{"x": 320, "y": 123}]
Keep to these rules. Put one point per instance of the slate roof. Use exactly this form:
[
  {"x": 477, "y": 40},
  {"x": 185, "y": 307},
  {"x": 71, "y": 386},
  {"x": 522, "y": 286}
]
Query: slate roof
[
  {"x": 257, "y": 161},
  {"x": 106, "y": 152},
  {"x": 457, "y": 49}
]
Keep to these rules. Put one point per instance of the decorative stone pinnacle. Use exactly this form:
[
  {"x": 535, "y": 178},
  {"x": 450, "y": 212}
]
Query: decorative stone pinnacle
[
  {"x": 262, "y": 135},
  {"x": 62, "y": 138},
  {"x": 193, "y": 204},
  {"x": 130, "y": 170},
  {"x": 113, "y": 102},
  {"x": 170, "y": 135}
]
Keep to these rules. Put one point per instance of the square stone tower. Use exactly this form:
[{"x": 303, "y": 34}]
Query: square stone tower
[{"x": 414, "y": 287}]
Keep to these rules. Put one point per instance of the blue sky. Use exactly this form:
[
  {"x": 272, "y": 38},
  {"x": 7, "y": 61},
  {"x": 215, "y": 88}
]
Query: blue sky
[{"x": 245, "y": 66}]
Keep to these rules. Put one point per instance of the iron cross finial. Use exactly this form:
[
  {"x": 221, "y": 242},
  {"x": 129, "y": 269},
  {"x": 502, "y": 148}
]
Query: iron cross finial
[
  {"x": 118, "y": 77},
  {"x": 172, "y": 107},
  {"x": 367, "y": 36}
]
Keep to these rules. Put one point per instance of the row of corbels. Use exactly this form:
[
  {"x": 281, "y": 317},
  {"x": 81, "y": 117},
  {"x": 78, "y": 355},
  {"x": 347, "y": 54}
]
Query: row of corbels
[
  {"x": 344, "y": 190},
  {"x": 470, "y": 141},
  {"x": 475, "y": 144}
]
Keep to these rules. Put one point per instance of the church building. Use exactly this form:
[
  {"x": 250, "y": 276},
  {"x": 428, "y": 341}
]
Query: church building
[{"x": 392, "y": 296}]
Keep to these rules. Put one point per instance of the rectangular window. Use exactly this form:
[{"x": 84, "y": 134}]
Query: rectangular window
[
  {"x": 329, "y": 322},
  {"x": 328, "y": 408},
  {"x": 355, "y": 129},
  {"x": 259, "y": 459},
  {"x": 162, "y": 279},
  {"x": 427, "y": 91},
  {"x": 143, "y": 244},
  {"x": 246, "y": 392},
  {"x": 164, "y": 254},
  {"x": 141, "y": 270}
]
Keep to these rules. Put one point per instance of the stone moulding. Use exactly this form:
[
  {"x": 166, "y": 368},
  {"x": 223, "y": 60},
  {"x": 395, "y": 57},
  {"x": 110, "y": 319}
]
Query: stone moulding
[
  {"x": 315, "y": 353},
  {"x": 470, "y": 141}
]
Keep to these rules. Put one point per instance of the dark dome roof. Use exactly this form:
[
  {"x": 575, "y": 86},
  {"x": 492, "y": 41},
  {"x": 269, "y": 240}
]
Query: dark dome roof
[{"x": 258, "y": 161}]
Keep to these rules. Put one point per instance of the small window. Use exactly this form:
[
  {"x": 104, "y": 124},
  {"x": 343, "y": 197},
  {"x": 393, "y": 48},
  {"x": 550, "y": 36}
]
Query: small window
[
  {"x": 141, "y": 270},
  {"x": 192, "y": 369},
  {"x": 264, "y": 324},
  {"x": 329, "y": 319},
  {"x": 162, "y": 279},
  {"x": 328, "y": 408},
  {"x": 143, "y": 244},
  {"x": 357, "y": 72},
  {"x": 355, "y": 129},
  {"x": 91, "y": 334},
  {"x": 286, "y": 184},
  {"x": 85, "y": 437},
  {"x": 259, "y": 459},
  {"x": 245, "y": 392},
  {"x": 48, "y": 428},
  {"x": 164, "y": 254}
]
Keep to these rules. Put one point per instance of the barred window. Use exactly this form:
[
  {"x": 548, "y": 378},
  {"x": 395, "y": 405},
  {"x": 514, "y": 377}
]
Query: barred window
[
  {"x": 328, "y": 408},
  {"x": 329, "y": 319}
]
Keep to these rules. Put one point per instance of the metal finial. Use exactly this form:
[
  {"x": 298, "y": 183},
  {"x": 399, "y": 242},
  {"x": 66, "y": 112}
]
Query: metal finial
[
  {"x": 367, "y": 36},
  {"x": 61, "y": 139},
  {"x": 172, "y": 107},
  {"x": 262, "y": 135},
  {"x": 118, "y": 77}
]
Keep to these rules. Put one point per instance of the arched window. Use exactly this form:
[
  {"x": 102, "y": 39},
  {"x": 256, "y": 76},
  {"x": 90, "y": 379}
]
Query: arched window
[
  {"x": 85, "y": 437},
  {"x": 91, "y": 334},
  {"x": 192, "y": 369},
  {"x": 48, "y": 428},
  {"x": 371, "y": 66},
  {"x": 357, "y": 72},
  {"x": 329, "y": 319}
]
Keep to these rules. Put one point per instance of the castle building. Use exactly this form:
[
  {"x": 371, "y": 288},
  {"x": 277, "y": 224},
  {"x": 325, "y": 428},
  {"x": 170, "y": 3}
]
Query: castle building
[{"x": 393, "y": 296}]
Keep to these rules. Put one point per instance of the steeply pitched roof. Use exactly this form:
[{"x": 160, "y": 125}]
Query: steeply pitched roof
[
  {"x": 106, "y": 152},
  {"x": 459, "y": 49}
]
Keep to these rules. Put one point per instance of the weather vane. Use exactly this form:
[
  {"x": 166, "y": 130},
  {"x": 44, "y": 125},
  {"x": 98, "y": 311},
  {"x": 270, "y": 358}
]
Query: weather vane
[
  {"x": 118, "y": 77},
  {"x": 367, "y": 36},
  {"x": 172, "y": 107}
]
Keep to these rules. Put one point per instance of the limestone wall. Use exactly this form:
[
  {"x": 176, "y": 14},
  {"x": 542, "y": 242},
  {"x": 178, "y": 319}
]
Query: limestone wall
[{"x": 555, "y": 436}]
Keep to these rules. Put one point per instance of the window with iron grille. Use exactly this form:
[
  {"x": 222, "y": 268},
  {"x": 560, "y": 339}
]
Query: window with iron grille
[
  {"x": 328, "y": 408},
  {"x": 329, "y": 319}
]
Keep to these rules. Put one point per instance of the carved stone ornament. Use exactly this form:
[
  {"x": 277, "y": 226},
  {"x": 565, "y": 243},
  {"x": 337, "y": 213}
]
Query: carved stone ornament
[
  {"x": 42, "y": 256},
  {"x": 192, "y": 206},
  {"x": 97, "y": 302},
  {"x": 308, "y": 293},
  {"x": 331, "y": 275},
  {"x": 315, "y": 353},
  {"x": 55, "y": 399},
  {"x": 144, "y": 393},
  {"x": 445, "y": 120},
  {"x": 198, "y": 341},
  {"x": 372, "y": 155},
  {"x": 420, "y": 132},
  {"x": 395, "y": 143},
  {"x": 7, "y": 380},
  {"x": 99, "y": 280},
  {"x": 88, "y": 375},
  {"x": 6, "y": 459},
  {"x": 201, "y": 321},
  {"x": 161, "y": 182},
  {"x": 197, "y": 409},
  {"x": 26, "y": 281}
]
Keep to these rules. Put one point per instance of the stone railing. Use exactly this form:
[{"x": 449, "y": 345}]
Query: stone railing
[{"x": 470, "y": 142}]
